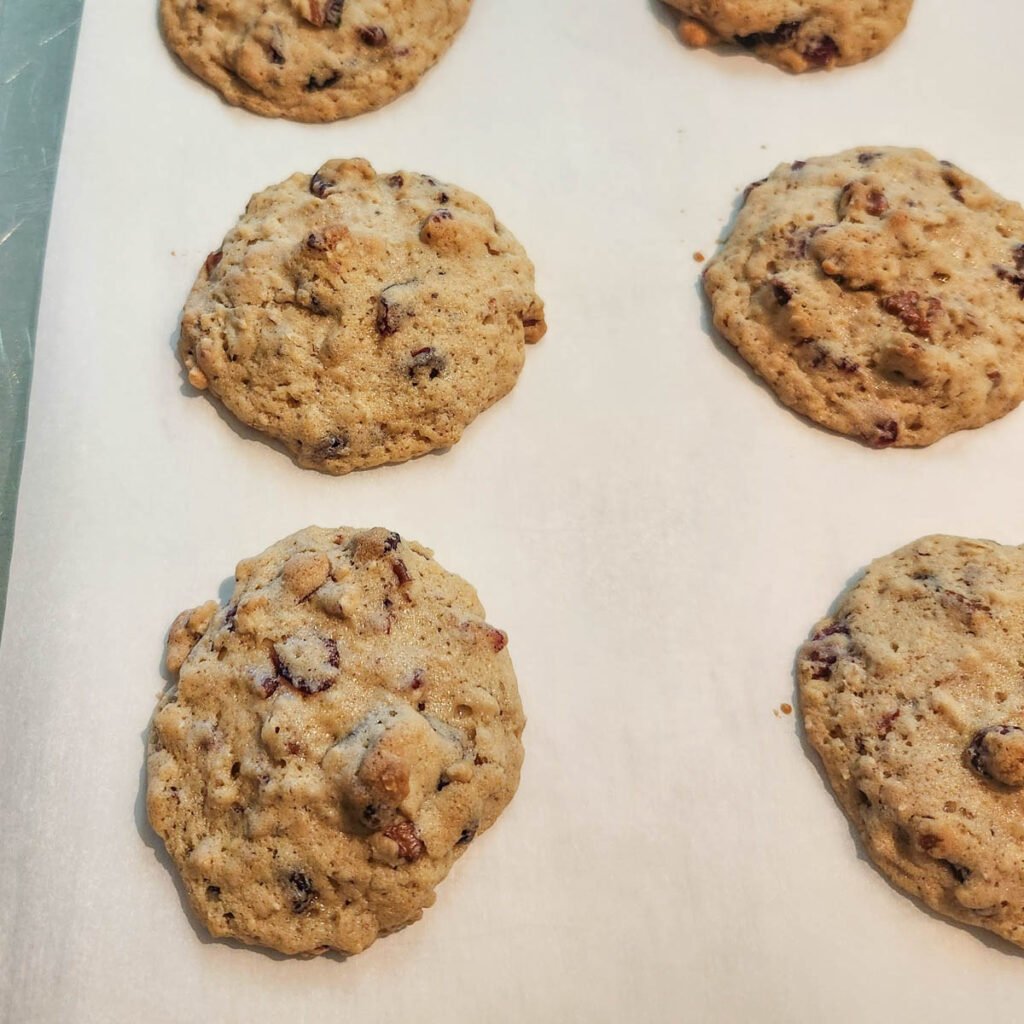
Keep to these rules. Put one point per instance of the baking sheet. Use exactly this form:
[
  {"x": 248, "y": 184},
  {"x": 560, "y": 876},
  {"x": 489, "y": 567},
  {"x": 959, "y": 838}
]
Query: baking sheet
[
  {"x": 655, "y": 532},
  {"x": 37, "y": 48}
]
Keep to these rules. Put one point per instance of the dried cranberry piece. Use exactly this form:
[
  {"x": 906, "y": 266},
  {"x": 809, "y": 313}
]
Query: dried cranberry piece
[
  {"x": 301, "y": 891},
  {"x": 960, "y": 873},
  {"x": 877, "y": 204},
  {"x": 373, "y": 35},
  {"x": 798, "y": 165},
  {"x": 823, "y": 662},
  {"x": 333, "y": 658},
  {"x": 275, "y": 55},
  {"x": 750, "y": 188},
  {"x": 266, "y": 685},
  {"x": 396, "y": 181},
  {"x": 887, "y": 432},
  {"x": 331, "y": 447},
  {"x": 392, "y": 541},
  {"x": 867, "y": 158},
  {"x": 320, "y": 185},
  {"x": 997, "y": 753},
  {"x": 298, "y": 661},
  {"x": 314, "y": 84},
  {"x": 467, "y": 835},
  {"x": 213, "y": 260},
  {"x": 388, "y": 317},
  {"x": 782, "y": 33},
  {"x": 822, "y": 52},
  {"x": 837, "y": 628},
  {"x": 426, "y": 362},
  {"x": 783, "y": 293},
  {"x": 886, "y": 723},
  {"x": 1017, "y": 280},
  {"x": 401, "y": 571}
]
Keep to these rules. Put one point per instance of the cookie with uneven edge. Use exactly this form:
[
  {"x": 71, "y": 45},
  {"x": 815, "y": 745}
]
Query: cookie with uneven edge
[
  {"x": 911, "y": 695},
  {"x": 311, "y": 60},
  {"x": 361, "y": 318},
  {"x": 879, "y": 292},
  {"x": 340, "y": 731},
  {"x": 797, "y": 35}
]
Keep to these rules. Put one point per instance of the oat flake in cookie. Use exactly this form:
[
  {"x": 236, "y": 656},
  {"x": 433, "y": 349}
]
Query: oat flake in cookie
[
  {"x": 340, "y": 732},
  {"x": 361, "y": 318},
  {"x": 311, "y": 60},
  {"x": 912, "y": 696},
  {"x": 879, "y": 292},
  {"x": 798, "y": 35}
]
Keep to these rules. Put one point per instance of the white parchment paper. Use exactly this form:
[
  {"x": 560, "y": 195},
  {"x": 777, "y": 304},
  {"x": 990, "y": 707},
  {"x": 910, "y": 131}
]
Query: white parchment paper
[{"x": 654, "y": 531}]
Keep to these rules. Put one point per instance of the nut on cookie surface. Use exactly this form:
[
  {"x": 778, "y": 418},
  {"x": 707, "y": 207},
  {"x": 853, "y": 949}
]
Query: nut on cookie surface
[
  {"x": 340, "y": 731},
  {"x": 361, "y": 318},
  {"x": 796, "y": 35},
  {"x": 311, "y": 60},
  {"x": 911, "y": 695},
  {"x": 879, "y": 292}
]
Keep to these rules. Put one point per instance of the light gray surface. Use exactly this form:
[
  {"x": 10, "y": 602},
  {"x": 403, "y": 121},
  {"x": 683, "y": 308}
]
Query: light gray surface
[{"x": 37, "y": 50}]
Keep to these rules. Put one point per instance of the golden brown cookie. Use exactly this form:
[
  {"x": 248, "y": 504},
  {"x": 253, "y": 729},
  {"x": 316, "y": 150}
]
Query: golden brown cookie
[
  {"x": 797, "y": 35},
  {"x": 911, "y": 694},
  {"x": 311, "y": 60},
  {"x": 340, "y": 731},
  {"x": 361, "y": 318},
  {"x": 879, "y": 292}
]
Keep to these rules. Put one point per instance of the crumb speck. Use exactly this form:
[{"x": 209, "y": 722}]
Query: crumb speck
[
  {"x": 786, "y": 709},
  {"x": 698, "y": 257}
]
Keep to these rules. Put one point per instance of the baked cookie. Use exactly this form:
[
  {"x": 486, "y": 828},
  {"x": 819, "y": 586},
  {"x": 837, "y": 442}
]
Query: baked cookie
[
  {"x": 311, "y": 60},
  {"x": 911, "y": 695},
  {"x": 797, "y": 35},
  {"x": 879, "y": 292},
  {"x": 340, "y": 731},
  {"x": 361, "y": 318}
]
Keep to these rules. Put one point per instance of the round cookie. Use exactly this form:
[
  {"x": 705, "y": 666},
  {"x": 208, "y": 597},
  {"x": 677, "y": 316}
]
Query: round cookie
[
  {"x": 911, "y": 694},
  {"x": 797, "y": 35},
  {"x": 880, "y": 292},
  {"x": 311, "y": 60},
  {"x": 361, "y": 318},
  {"x": 340, "y": 731}
]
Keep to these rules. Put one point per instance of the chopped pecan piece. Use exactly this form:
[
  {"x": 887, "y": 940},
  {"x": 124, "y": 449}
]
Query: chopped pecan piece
[
  {"x": 403, "y": 833},
  {"x": 918, "y": 315}
]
